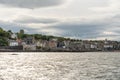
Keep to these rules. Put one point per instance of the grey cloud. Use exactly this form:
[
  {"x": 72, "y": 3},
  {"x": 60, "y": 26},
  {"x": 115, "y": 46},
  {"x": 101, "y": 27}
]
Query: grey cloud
[
  {"x": 86, "y": 30},
  {"x": 116, "y": 17},
  {"x": 91, "y": 29},
  {"x": 31, "y": 3},
  {"x": 11, "y": 26},
  {"x": 36, "y": 20},
  {"x": 16, "y": 27},
  {"x": 80, "y": 30}
]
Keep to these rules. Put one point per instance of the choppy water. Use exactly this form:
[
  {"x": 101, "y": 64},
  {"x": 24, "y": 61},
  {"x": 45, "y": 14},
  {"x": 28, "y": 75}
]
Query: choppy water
[{"x": 60, "y": 66}]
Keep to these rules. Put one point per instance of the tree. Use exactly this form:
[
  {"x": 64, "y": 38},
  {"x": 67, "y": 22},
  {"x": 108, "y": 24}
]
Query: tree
[
  {"x": 9, "y": 31},
  {"x": 61, "y": 39},
  {"x": 4, "y": 33},
  {"x": 3, "y": 42}
]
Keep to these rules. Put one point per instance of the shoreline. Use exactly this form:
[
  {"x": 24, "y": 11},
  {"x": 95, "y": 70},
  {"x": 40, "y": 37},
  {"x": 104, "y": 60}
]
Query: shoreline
[{"x": 55, "y": 51}]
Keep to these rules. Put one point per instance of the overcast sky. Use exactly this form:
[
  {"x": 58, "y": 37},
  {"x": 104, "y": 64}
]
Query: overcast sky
[{"x": 83, "y": 19}]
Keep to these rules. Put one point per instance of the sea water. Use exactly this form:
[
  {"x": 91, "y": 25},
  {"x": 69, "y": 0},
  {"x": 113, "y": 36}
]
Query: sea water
[{"x": 60, "y": 66}]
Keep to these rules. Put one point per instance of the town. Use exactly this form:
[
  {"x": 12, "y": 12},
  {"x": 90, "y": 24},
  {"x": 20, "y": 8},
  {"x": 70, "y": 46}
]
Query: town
[{"x": 20, "y": 41}]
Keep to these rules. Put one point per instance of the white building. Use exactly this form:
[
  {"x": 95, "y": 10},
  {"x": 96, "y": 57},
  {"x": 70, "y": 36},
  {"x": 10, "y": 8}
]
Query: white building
[
  {"x": 42, "y": 43},
  {"x": 93, "y": 46},
  {"x": 108, "y": 46},
  {"x": 13, "y": 36},
  {"x": 13, "y": 43},
  {"x": 67, "y": 43},
  {"x": 29, "y": 47}
]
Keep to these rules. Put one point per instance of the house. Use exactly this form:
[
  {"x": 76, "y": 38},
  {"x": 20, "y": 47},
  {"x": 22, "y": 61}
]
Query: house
[
  {"x": 60, "y": 45},
  {"x": 38, "y": 43},
  {"x": 13, "y": 43},
  {"x": 100, "y": 46},
  {"x": 75, "y": 46},
  {"x": 52, "y": 44},
  {"x": 29, "y": 44},
  {"x": 29, "y": 40},
  {"x": 42, "y": 43},
  {"x": 93, "y": 46},
  {"x": 19, "y": 42},
  {"x": 13, "y": 36},
  {"x": 66, "y": 43},
  {"x": 29, "y": 47},
  {"x": 108, "y": 45},
  {"x": 87, "y": 46}
]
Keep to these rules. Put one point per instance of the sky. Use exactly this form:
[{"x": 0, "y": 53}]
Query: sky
[{"x": 80, "y": 19}]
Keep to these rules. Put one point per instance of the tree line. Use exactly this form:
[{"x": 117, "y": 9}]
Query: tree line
[{"x": 6, "y": 35}]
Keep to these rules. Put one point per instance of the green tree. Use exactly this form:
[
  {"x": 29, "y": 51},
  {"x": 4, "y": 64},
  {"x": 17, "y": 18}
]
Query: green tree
[
  {"x": 9, "y": 31},
  {"x": 3, "y": 42}
]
